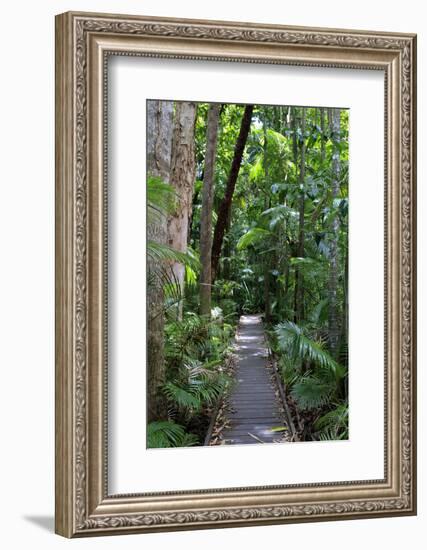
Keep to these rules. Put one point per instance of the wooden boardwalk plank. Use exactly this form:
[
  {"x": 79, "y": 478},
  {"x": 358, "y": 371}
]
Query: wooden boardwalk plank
[{"x": 254, "y": 408}]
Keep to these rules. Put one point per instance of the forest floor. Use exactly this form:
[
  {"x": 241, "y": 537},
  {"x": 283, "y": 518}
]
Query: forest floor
[{"x": 253, "y": 411}]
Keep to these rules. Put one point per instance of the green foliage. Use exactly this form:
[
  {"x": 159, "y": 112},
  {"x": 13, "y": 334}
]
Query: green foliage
[
  {"x": 160, "y": 273},
  {"x": 182, "y": 397},
  {"x": 292, "y": 339},
  {"x": 195, "y": 338},
  {"x": 195, "y": 352},
  {"x": 185, "y": 339},
  {"x": 202, "y": 387},
  {"x": 161, "y": 199},
  {"x": 289, "y": 370},
  {"x": 312, "y": 393},
  {"x": 280, "y": 217},
  {"x": 252, "y": 236},
  {"x": 158, "y": 252},
  {"x": 302, "y": 261},
  {"x": 162, "y": 434},
  {"x": 190, "y": 276},
  {"x": 319, "y": 313},
  {"x": 261, "y": 262},
  {"x": 313, "y": 377},
  {"x": 333, "y": 424},
  {"x": 256, "y": 171}
]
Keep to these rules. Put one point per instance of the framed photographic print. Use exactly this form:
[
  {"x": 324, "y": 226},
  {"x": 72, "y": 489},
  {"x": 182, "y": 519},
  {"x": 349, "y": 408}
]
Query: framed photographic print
[{"x": 235, "y": 274}]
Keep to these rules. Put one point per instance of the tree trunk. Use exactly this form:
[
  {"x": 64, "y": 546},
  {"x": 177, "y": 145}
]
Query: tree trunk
[
  {"x": 344, "y": 326},
  {"x": 227, "y": 250},
  {"x": 286, "y": 286},
  {"x": 159, "y": 139},
  {"x": 333, "y": 255},
  {"x": 344, "y": 320},
  {"x": 293, "y": 125},
  {"x": 182, "y": 177},
  {"x": 206, "y": 212},
  {"x": 267, "y": 301},
  {"x": 225, "y": 206},
  {"x": 322, "y": 130},
  {"x": 299, "y": 291}
]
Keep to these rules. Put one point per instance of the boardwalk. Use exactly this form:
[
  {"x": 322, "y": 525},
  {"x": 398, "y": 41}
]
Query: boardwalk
[{"x": 253, "y": 409}]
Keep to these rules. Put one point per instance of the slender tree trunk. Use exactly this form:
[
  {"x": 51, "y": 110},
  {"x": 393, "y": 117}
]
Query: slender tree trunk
[
  {"x": 333, "y": 247},
  {"x": 292, "y": 116},
  {"x": 267, "y": 301},
  {"x": 225, "y": 206},
  {"x": 190, "y": 222},
  {"x": 344, "y": 323},
  {"x": 322, "y": 129},
  {"x": 182, "y": 177},
  {"x": 294, "y": 125},
  {"x": 159, "y": 139},
  {"x": 286, "y": 286},
  {"x": 299, "y": 292},
  {"x": 206, "y": 213},
  {"x": 227, "y": 249}
]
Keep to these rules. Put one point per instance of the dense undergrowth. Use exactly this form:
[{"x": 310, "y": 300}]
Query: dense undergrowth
[{"x": 196, "y": 351}]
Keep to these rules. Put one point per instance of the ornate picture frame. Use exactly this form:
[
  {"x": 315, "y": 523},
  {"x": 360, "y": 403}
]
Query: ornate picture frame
[{"x": 84, "y": 42}]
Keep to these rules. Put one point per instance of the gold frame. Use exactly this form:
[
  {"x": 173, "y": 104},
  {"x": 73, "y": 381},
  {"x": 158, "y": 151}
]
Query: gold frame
[{"x": 83, "y": 43}]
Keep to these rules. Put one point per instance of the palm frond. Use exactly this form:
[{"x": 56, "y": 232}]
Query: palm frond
[
  {"x": 201, "y": 386},
  {"x": 166, "y": 433},
  {"x": 312, "y": 393},
  {"x": 334, "y": 423},
  {"x": 331, "y": 435},
  {"x": 160, "y": 273},
  {"x": 190, "y": 276},
  {"x": 159, "y": 252},
  {"x": 319, "y": 312},
  {"x": 161, "y": 199},
  {"x": 256, "y": 171},
  {"x": 279, "y": 213},
  {"x": 288, "y": 370},
  {"x": 189, "y": 440},
  {"x": 182, "y": 397},
  {"x": 252, "y": 236},
  {"x": 203, "y": 371},
  {"x": 185, "y": 339},
  {"x": 292, "y": 339}
]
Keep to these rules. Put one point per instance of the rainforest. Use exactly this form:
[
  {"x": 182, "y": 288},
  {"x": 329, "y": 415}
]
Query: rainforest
[{"x": 247, "y": 274}]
